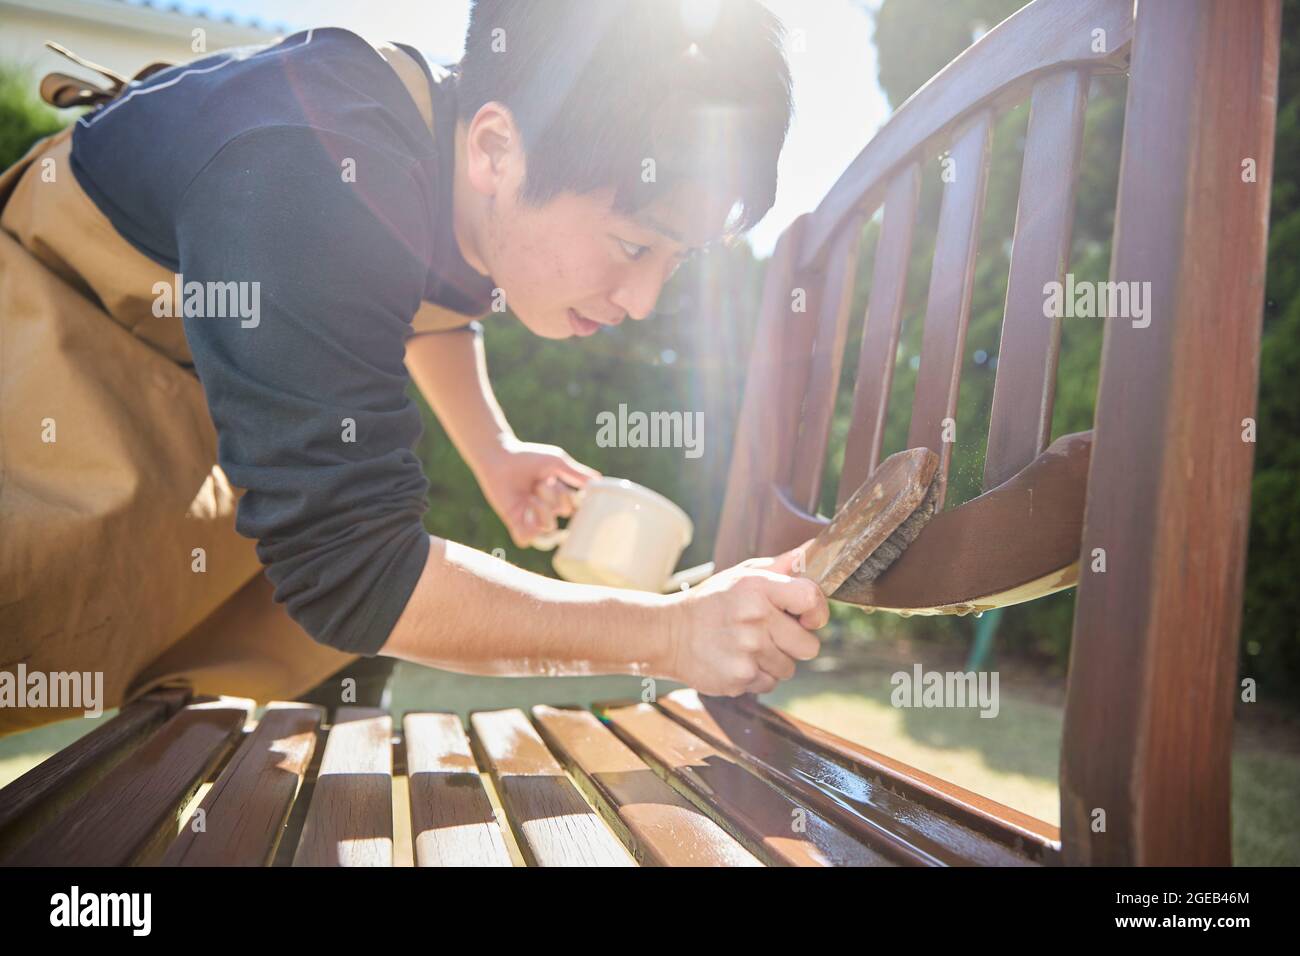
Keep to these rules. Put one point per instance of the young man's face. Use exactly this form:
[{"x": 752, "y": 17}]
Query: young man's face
[{"x": 572, "y": 264}]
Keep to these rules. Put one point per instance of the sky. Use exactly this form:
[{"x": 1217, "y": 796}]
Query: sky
[{"x": 838, "y": 104}]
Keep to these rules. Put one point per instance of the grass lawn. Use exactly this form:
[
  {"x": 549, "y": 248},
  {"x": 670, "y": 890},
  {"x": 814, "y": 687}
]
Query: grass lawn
[{"x": 1012, "y": 758}]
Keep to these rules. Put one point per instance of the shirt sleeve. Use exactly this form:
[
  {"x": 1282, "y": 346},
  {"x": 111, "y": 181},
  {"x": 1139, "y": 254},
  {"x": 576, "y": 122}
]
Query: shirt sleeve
[{"x": 306, "y": 384}]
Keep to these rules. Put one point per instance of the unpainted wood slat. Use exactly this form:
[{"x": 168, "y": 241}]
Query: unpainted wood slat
[
  {"x": 451, "y": 816},
  {"x": 952, "y": 279},
  {"x": 36, "y": 798},
  {"x": 1020, "y": 422},
  {"x": 243, "y": 814},
  {"x": 350, "y": 820},
  {"x": 131, "y": 815},
  {"x": 777, "y": 829},
  {"x": 880, "y": 333},
  {"x": 908, "y": 815},
  {"x": 553, "y": 824},
  {"x": 657, "y": 824}
]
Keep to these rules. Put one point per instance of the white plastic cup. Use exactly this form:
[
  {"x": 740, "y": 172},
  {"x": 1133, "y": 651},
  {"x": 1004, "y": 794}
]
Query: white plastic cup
[{"x": 624, "y": 535}]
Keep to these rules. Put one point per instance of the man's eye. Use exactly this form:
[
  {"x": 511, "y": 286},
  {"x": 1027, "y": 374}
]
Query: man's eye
[{"x": 632, "y": 250}]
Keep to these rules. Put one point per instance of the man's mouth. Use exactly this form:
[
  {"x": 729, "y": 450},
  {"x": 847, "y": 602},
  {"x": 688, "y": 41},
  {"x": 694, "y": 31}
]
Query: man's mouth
[{"x": 582, "y": 325}]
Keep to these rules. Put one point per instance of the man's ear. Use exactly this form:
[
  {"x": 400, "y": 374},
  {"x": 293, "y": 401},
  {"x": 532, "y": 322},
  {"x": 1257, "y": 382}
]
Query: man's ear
[{"x": 494, "y": 155}]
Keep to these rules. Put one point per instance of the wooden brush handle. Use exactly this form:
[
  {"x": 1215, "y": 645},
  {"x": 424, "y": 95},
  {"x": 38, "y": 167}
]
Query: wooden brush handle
[{"x": 883, "y": 502}]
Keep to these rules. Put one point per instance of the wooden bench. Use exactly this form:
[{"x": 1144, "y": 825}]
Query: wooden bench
[
  {"x": 689, "y": 781},
  {"x": 1160, "y": 486}
]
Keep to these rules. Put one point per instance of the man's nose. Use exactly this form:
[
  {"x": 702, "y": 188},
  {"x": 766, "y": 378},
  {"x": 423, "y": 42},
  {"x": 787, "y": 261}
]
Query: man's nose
[{"x": 639, "y": 292}]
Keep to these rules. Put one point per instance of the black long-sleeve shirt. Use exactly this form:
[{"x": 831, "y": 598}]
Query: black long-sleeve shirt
[{"x": 305, "y": 172}]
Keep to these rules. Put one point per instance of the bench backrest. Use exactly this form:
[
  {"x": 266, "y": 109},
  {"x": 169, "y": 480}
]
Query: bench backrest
[{"x": 1160, "y": 488}]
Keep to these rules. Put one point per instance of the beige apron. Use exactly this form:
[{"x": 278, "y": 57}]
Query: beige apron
[{"x": 110, "y": 495}]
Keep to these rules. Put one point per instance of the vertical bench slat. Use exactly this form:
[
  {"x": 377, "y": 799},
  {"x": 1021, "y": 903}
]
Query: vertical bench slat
[
  {"x": 880, "y": 333},
  {"x": 350, "y": 820},
  {"x": 1154, "y": 658},
  {"x": 553, "y": 824},
  {"x": 952, "y": 280},
  {"x": 791, "y": 375},
  {"x": 451, "y": 816},
  {"x": 766, "y": 418},
  {"x": 245, "y": 811},
  {"x": 1039, "y": 36},
  {"x": 131, "y": 815},
  {"x": 657, "y": 825},
  {"x": 906, "y": 814},
  {"x": 36, "y": 798},
  {"x": 833, "y": 302},
  {"x": 1021, "y": 419},
  {"x": 765, "y": 820}
]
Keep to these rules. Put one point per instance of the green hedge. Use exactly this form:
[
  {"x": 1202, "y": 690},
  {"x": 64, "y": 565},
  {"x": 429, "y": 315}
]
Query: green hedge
[{"x": 23, "y": 117}]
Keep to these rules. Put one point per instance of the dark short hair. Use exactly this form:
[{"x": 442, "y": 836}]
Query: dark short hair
[{"x": 596, "y": 87}]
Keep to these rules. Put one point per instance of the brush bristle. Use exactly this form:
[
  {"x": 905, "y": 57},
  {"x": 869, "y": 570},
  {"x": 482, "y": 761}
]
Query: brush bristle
[{"x": 892, "y": 548}]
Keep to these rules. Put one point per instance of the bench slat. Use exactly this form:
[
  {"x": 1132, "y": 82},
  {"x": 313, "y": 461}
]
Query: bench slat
[
  {"x": 765, "y": 426},
  {"x": 1020, "y": 422},
  {"x": 880, "y": 804},
  {"x": 245, "y": 811},
  {"x": 451, "y": 816},
  {"x": 952, "y": 280},
  {"x": 553, "y": 824},
  {"x": 36, "y": 798},
  {"x": 880, "y": 333},
  {"x": 654, "y": 821},
  {"x": 765, "y": 820},
  {"x": 969, "y": 808},
  {"x": 131, "y": 815},
  {"x": 350, "y": 820},
  {"x": 832, "y": 302}
]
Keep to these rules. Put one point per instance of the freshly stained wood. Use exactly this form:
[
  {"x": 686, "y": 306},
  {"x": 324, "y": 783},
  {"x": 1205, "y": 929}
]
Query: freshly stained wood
[
  {"x": 244, "y": 813},
  {"x": 1014, "y": 543},
  {"x": 777, "y": 829},
  {"x": 1154, "y": 660},
  {"x": 134, "y": 811},
  {"x": 350, "y": 820},
  {"x": 908, "y": 815},
  {"x": 553, "y": 824},
  {"x": 42, "y": 793},
  {"x": 766, "y": 429},
  {"x": 659, "y": 826},
  {"x": 880, "y": 334},
  {"x": 1020, "y": 422},
  {"x": 952, "y": 281},
  {"x": 995, "y": 71},
  {"x": 835, "y": 296},
  {"x": 451, "y": 815}
]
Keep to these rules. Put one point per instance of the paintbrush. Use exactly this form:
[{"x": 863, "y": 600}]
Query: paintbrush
[{"x": 877, "y": 523}]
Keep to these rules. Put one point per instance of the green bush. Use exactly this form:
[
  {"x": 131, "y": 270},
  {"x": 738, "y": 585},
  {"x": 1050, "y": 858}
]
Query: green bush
[{"x": 23, "y": 117}]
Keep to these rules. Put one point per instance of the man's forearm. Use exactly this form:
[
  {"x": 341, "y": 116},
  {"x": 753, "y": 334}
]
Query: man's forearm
[
  {"x": 473, "y": 613},
  {"x": 450, "y": 370}
]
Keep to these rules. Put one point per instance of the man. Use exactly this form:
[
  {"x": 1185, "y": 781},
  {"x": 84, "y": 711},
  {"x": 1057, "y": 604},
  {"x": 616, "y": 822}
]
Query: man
[{"x": 323, "y": 218}]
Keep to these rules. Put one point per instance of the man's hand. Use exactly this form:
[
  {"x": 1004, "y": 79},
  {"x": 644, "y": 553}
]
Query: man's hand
[
  {"x": 743, "y": 630},
  {"x": 531, "y": 485}
]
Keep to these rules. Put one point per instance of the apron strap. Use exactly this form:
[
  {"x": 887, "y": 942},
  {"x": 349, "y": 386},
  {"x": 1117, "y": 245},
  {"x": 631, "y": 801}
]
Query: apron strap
[
  {"x": 412, "y": 77},
  {"x": 63, "y": 91}
]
